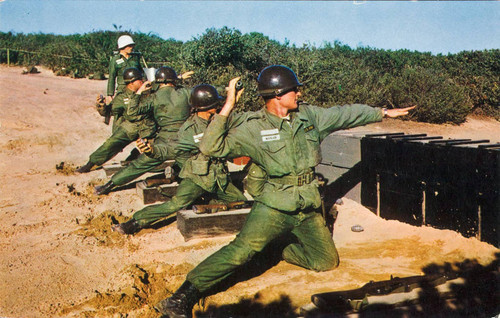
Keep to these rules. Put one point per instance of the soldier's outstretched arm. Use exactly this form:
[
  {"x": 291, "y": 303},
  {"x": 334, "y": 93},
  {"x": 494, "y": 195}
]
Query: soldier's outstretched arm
[
  {"x": 186, "y": 75},
  {"x": 396, "y": 112}
]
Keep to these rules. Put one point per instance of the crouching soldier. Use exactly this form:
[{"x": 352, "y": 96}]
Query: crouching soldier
[
  {"x": 284, "y": 140},
  {"x": 169, "y": 105},
  {"x": 200, "y": 174},
  {"x": 127, "y": 127}
]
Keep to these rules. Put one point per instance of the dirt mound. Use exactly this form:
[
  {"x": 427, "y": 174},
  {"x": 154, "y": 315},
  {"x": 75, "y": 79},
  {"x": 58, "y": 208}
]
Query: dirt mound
[
  {"x": 99, "y": 228},
  {"x": 146, "y": 286}
]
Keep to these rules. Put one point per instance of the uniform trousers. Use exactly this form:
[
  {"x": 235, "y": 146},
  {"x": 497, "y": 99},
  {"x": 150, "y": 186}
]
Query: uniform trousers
[
  {"x": 315, "y": 249},
  {"x": 187, "y": 193}
]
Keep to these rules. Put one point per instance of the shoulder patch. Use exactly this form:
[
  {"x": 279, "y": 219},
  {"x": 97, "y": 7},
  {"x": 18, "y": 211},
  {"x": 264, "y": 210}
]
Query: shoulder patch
[{"x": 309, "y": 128}]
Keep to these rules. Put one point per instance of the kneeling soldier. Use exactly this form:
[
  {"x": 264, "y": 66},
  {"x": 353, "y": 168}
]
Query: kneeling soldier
[
  {"x": 200, "y": 174},
  {"x": 169, "y": 105},
  {"x": 126, "y": 128}
]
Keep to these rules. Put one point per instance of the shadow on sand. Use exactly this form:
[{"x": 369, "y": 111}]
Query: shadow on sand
[{"x": 477, "y": 296}]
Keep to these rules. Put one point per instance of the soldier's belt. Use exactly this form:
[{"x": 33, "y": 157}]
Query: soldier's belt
[
  {"x": 218, "y": 160},
  {"x": 299, "y": 180}
]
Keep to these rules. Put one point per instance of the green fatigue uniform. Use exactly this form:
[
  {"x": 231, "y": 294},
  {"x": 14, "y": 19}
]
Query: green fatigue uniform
[
  {"x": 170, "y": 108},
  {"x": 117, "y": 64},
  {"x": 128, "y": 128},
  {"x": 200, "y": 174},
  {"x": 287, "y": 151}
]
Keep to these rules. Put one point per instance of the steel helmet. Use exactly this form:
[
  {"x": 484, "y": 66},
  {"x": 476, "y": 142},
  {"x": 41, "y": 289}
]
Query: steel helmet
[
  {"x": 131, "y": 74},
  {"x": 276, "y": 80},
  {"x": 125, "y": 40},
  {"x": 204, "y": 97},
  {"x": 165, "y": 74}
]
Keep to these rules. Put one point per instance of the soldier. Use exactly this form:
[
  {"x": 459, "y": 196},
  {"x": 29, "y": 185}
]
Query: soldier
[
  {"x": 200, "y": 174},
  {"x": 284, "y": 140},
  {"x": 169, "y": 105},
  {"x": 124, "y": 58},
  {"x": 128, "y": 127}
]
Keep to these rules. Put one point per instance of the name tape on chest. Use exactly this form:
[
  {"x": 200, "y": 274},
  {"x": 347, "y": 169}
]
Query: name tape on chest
[
  {"x": 271, "y": 137},
  {"x": 270, "y": 134},
  {"x": 120, "y": 61},
  {"x": 197, "y": 138}
]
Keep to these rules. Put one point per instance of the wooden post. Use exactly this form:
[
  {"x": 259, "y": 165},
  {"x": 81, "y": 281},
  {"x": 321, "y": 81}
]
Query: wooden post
[
  {"x": 8, "y": 58},
  {"x": 378, "y": 195}
]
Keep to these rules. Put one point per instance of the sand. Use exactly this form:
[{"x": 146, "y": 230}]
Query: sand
[{"x": 59, "y": 258}]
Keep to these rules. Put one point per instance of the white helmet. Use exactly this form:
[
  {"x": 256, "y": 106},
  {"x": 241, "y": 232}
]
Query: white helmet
[{"x": 125, "y": 40}]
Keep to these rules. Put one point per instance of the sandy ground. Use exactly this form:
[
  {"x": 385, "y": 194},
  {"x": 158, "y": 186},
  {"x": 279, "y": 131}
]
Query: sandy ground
[{"x": 58, "y": 257}]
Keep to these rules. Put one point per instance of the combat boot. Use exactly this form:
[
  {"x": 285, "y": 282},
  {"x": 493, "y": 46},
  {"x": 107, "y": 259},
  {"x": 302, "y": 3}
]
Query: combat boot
[
  {"x": 85, "y": 168},
  {"x": 104, "y": 189},
  {"x": 180, "y": 304},
  {"x": 129, "y": 227}
]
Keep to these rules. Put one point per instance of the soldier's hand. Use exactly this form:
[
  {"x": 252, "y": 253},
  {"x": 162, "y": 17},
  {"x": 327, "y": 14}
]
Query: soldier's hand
[
  {"x": 143, "y": 146},
  {"x": 108, "y": 100},
  {"x": 238, "y": 95},
  {"x": 396, "y": 112},
  {"x": 231, "y": 97},
  {"x": 186, "y": 75},
  {"x": 144, "y": 87}
]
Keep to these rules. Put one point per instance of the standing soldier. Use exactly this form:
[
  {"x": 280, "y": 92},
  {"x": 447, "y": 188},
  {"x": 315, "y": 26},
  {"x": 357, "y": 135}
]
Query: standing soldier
[
  {"x": 124, "y": 58},
  {"x": 128, "y": 127},
  {"x": 284, "y": 140},
  {"x": 200, "y": 174},
  {"x": 169, "y": 105}
]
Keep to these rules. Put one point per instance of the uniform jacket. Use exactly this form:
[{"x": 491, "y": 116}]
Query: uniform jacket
[
  {"x": 135, "y": 124},
  {"x": 117, "y": 64},
  {"x": 206, "y": 173},
  {"x": 170, "y": 109},
  {"x": 283, "y": 149}
]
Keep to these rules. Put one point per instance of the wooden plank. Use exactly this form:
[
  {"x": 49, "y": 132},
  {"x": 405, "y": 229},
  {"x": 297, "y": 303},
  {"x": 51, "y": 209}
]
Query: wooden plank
[
  {"x": 192, "y": 225},
  {"x": 160, "y": 193},
  {"x": 112, "y": 168}
]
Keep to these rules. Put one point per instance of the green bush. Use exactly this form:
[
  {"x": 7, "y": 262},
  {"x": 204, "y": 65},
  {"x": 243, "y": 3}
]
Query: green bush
[
  {"x": 445, "y": 88},
  {"x": 439, "y": 99}
]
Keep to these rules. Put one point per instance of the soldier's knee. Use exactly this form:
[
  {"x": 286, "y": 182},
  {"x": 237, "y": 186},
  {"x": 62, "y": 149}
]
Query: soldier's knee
[
  {"x": 326, "y": 264},
  {"x": 239, "y": 252}
]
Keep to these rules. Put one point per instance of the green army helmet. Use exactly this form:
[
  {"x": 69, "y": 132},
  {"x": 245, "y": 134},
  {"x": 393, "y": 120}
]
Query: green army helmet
[
  {"x": 204, "y": 97},
  {"x": 165, "y": 74},
  {"x": 131, "y": 74},
  {"x": 276, "y": 80}
]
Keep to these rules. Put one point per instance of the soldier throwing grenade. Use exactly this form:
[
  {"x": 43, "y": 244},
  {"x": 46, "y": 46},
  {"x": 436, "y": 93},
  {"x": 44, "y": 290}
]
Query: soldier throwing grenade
[{"x": 284, "y": 140}]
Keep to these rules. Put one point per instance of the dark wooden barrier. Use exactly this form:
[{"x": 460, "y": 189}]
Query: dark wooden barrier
[{"x": 426, "y": 180}]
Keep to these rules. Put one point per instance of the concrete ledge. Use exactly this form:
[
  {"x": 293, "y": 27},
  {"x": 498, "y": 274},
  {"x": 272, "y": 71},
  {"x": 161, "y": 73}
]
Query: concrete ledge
[{"x": 192, "y": 225}]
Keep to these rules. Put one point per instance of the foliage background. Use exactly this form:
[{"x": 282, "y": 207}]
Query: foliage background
[{"x": 446, "y": 88}]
